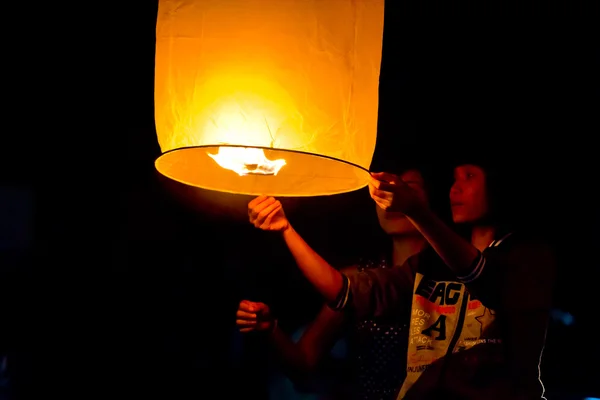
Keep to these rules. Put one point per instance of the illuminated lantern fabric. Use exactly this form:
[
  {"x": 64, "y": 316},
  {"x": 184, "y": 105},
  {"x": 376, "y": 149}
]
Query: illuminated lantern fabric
[{"x": 274, "y": 97}]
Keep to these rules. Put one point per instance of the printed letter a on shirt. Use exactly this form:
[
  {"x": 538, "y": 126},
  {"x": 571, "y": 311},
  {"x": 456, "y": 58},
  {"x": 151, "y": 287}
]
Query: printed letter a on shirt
[{"x": 439, "y": 326}]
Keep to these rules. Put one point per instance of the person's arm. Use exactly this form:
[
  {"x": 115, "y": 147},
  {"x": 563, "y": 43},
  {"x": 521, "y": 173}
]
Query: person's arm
[
  {"x": 372, "y": 293},
  {"x": 266, "y": 213},
  {"x": 300, "y": 359},
  {"x": 458, "y": 254},
  {"x": 470, "y": 266},
  {"x": 327, "y": 280}
]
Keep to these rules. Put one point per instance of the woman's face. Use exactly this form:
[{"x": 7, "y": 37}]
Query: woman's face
[
  {"x": 395, "y": 223},
  {"x": 468, "y": 195}
]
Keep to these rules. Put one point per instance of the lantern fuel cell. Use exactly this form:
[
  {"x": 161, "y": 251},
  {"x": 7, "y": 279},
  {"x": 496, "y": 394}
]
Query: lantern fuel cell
[
  {"x": 247, "y": 161},
  {"x": 274, "y": 97}
]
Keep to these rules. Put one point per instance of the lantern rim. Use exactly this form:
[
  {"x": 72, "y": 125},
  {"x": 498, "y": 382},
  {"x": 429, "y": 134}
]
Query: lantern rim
[
  {"x": 298, "y": 153},
  {"x": 308, "y": 153}
]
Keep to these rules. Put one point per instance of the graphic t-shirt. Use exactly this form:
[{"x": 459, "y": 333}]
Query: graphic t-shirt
[{"x": 476, "y": 336}]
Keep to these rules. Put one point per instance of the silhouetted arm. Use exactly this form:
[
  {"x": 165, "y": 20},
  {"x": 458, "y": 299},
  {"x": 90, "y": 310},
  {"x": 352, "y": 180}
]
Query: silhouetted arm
[
  {"x": 316, "y": 341},
  {"x": 467, "y": 263},
  {"x": 458, "y": 254},
  {"x": 377, "y": 292},
  {"x": 327, "y": 280}
]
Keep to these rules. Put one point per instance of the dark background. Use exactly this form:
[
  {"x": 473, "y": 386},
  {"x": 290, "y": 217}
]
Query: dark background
[{"x": 109, "y": 286}]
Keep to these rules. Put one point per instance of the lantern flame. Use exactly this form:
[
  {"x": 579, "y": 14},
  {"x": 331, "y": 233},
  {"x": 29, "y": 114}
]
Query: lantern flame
[{"x": 247, "y": 161}]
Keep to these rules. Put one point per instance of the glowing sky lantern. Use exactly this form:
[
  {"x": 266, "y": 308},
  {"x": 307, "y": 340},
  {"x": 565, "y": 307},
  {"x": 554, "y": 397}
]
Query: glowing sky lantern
[{"x": 274, "y": 97}]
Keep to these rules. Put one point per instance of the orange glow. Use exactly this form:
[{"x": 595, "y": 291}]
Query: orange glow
[{"x": 298, "y": 78}]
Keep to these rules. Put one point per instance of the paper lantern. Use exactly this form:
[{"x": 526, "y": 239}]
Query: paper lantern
[{"x": 274, "y": 97}]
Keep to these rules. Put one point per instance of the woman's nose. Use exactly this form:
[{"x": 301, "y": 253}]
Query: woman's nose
[{"x": 455, "y": 188}]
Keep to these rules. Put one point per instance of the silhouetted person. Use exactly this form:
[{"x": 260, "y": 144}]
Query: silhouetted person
[{"x": 479, "y": 306}]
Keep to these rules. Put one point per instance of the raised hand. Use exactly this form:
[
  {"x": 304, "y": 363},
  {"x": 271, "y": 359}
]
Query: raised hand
[
  {"x": 267, "y": 214},
  {"x": 392, "y": 194}
]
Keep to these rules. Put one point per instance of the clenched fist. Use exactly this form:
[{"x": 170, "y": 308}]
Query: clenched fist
[
  {"x": 254, "y": 316},
  {"x": 267, "y": 214}
]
